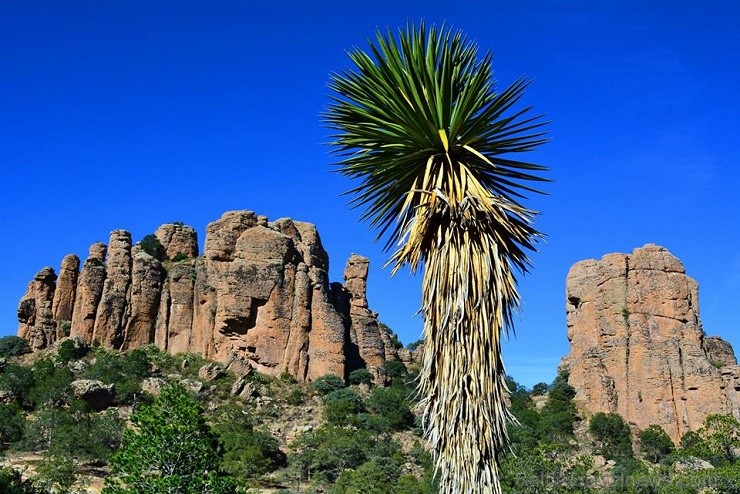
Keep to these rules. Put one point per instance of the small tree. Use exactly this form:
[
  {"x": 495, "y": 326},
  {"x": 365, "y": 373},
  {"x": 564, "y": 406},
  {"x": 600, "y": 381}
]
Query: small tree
[
  {"x": 655, "y": 443},
  {"x": 152, "y": 246},
  {"x": 721, "y": 434},
  {"x": 12, "y": 424},
  {"x": 12, "y": 346},
  {"x": 392, "y": 407},
  {"x": 342, "y": 406},
  {"x": 328, "y": 383},
  {"x": 540, "y": 389},
  {"x": 612, "y": 435},
  {"x": 169, "y": 450},
  {"x": 360, "y": 376},
  {"x": 69, "y": 351},
  {"x": 247, "y": 453}
]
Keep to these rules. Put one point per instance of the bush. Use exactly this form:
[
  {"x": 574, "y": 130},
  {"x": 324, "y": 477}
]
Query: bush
[
  {"x": 125, "y": 371},
  {"x": 415, "y": 344},
  {"x": 392, "y": 407},
  {"x": 396, "y": 371},
  {"x": 51, "y": 384},
  {"x": 12, "y": 346},
  {"x": 152, "y": 246},
  {"x": 327, "y": 384},
  {"x": 18, "y": 380},
  {"x": 180, "y": 256},
  {"x": 559, "y": 412},
  {"x": 12, "y": 424},
  {"x": 295, "y": 397},
  {"x": 612, "y": 435},
  {"x": 539, "y": 389},
  {"x": 329, "y": 450},
  {"x": 372, "y": 477},
  {"x": 655, "y": 443},
  {"x": 56, "y": 474},
  {"x": 75, "y": 432},
  {"x": 247, "y": 453},
  {"x": 342, "y": 406},
  {"x": 393, "y": 337},
  {"x": 360, "y": 376},
  {"x": 70, "y": 350},
  {"x": 11, "y": 482}
]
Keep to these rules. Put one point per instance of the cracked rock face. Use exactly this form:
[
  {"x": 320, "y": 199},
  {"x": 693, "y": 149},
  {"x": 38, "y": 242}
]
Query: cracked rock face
[
  {"x": 259, "y": 298},
  {"x": 637, "y": 347}
]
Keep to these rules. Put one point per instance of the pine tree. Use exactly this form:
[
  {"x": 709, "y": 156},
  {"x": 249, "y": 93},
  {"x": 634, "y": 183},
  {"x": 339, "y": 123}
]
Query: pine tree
[{"x": 169, "y": 450}]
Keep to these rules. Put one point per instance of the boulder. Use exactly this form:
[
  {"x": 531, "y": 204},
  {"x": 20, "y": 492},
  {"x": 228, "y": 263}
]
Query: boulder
[
  {"x": 153, "y": 385},
  {"x": 96, "y": 394},
  {"x": 210, "y": 372}
]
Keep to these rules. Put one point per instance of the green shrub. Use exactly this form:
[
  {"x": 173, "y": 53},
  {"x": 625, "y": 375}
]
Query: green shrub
[
  {"x": 342, "y": 406},
  {"x": 360, "y": 376},
  {"x": 392, "y": 336},
  {"x": 539, "y": 389},
  {"x": 70, "y": 350},
  {"x": 555, "y": 424},
  {"x": 180, "y": 256},
  {"x": 12, "y": 424},
  {"x": 75, "y": 432},
  {"x": 720, "y": 435},
  {"x": 12, "y": 346},
  {"x": 295, "y": 397},
  {"x": 372, "y": 477},
  {"x": 152, "y": 246},
  {"x": 327, "y": 384},
  {"x": 287, "y": 377},
  {"x": 11, "y": 482},
  {"x": 56, "y": 474},
  {"x": 247, "y": 453},
  {"x": 415, "y": 344},
  {"x": 396, "y": 371},
  {"x": 125, "y": 371},
  {"x": 51, "y": 384},
  {"x": 65, "y": 327},
  {"x": 612, "y": 435},
  {"x": 18, "y": 380},
  {"x": 324, "y": 453},
  {"x": 655, "y": 443},
  {"x": 392, "y": 407}
]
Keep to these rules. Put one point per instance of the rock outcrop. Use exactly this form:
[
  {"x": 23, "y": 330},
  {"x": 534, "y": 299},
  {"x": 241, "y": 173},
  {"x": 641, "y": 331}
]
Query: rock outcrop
[
  {"x": 35, "y": 315},
  {"x": 637, "y": 346},
  {"x": 64, "y": 294},
  {"x": 259, "y": 298}
]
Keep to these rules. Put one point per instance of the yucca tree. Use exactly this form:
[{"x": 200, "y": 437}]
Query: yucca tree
[{"x": 419, "y": 123}]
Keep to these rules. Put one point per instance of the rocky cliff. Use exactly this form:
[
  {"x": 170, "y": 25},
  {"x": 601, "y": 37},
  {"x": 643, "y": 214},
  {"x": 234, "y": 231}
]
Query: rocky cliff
[
  {"x": 637, "y": 346},
  {"x": 259, "y": 297}
]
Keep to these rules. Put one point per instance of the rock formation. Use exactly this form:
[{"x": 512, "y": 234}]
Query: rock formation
[
  {"x": 35, "y": 310},
  {"x": 637, "y": 346},
  {"x": 259, "y": 298},
  {"x": 64, "y": 294}
]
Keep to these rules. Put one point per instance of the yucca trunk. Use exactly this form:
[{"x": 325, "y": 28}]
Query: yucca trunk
[
  {"x": 420, "y": 124},
  {"x": 465, "y": 237}
]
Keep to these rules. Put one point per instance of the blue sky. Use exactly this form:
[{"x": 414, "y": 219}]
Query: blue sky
[{"x": 132, "y": 114}]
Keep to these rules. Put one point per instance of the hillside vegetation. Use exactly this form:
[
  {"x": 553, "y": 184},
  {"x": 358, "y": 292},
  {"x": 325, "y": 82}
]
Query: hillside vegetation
[{"x": 78, "y": 419}]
